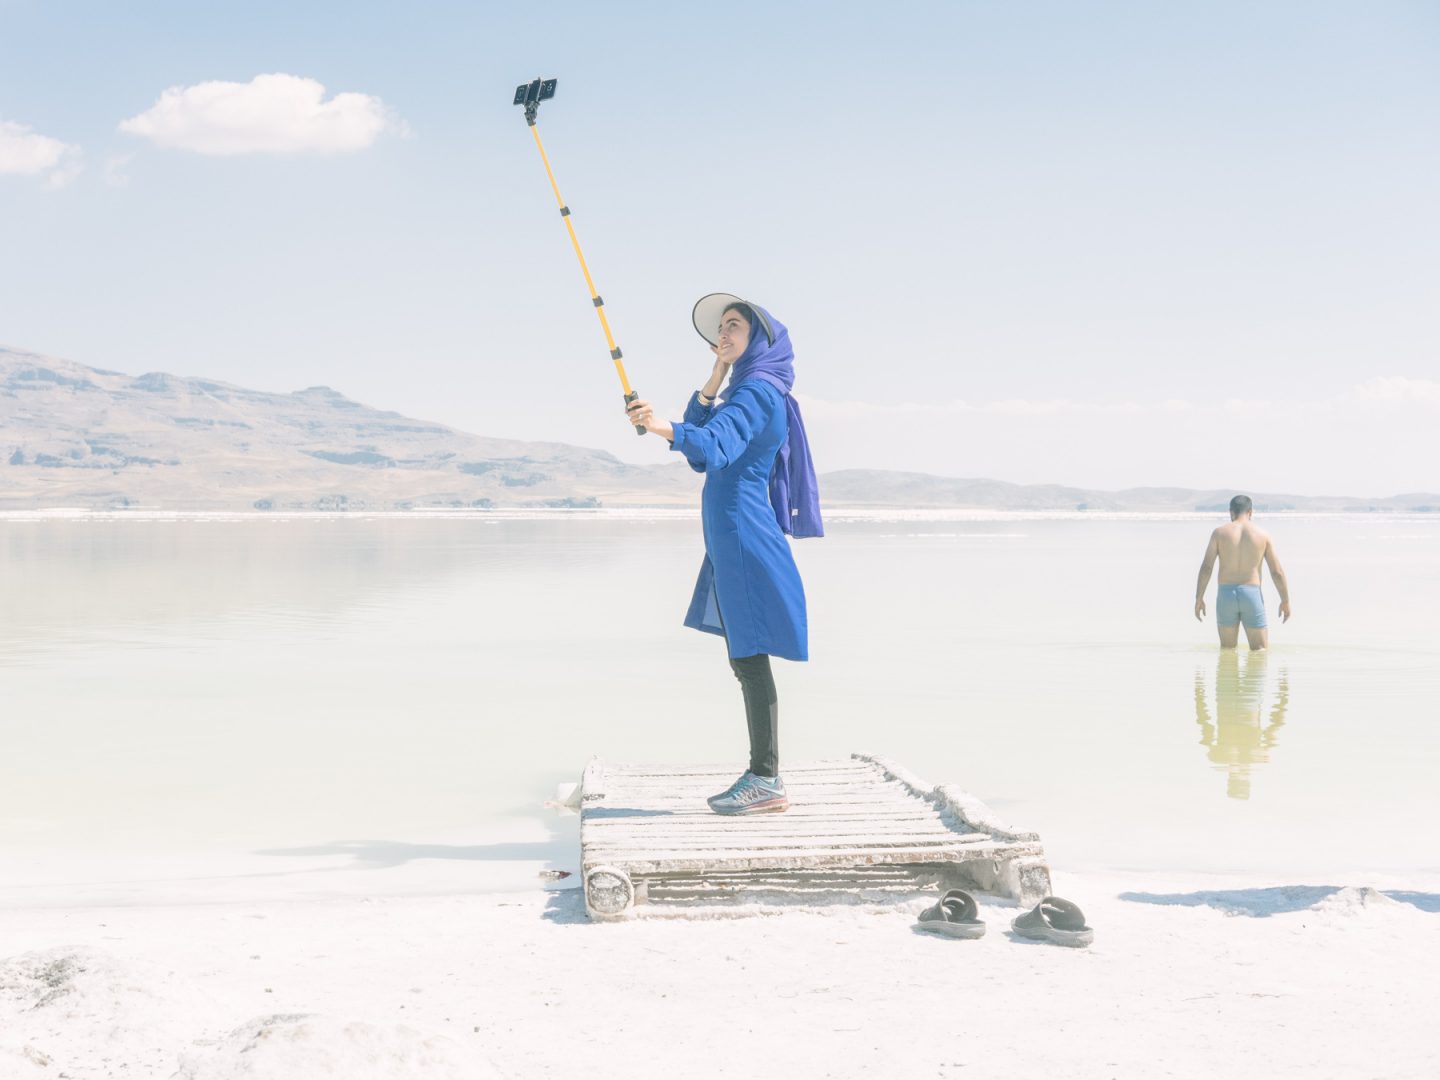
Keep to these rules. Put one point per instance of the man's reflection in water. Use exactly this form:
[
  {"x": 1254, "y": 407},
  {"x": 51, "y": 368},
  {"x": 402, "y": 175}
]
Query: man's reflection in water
[{"x": 1246, "y": 720}]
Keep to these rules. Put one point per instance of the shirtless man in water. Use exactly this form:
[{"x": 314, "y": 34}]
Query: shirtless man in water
[{"x": 1241, "y": 547}]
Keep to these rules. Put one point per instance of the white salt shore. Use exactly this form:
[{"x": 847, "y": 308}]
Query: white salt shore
[{"x": 1187, "y": 978}]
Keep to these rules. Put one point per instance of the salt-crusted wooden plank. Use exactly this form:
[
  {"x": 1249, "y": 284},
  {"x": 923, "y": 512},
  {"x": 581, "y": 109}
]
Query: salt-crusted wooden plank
[
  {"x": 654, "y": 848},
  {"x": 698, "y": 808},
  {"x": 852, "y": 796},
  {"x": 808, "y": 828},
  {"x": 866, "y": 821},
  {"x": 720, "y": 781},
  {"x": 659, "y": 834},
  {"x": 838, "y": 765},
  {"x": 722, "y": 841},
  {"x": 652, "y": 819},
  {"x": 963, "y": 805},
  {"x": 661, "y": 862}
]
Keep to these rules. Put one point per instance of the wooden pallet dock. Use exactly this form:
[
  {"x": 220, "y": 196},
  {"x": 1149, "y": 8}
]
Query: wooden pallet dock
[{"x": 860, "y": 827}]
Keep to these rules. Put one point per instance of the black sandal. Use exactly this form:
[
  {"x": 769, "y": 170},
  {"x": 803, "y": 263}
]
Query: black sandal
[
  {"x": 1054, "y": 920},
  {"x": 954, "y": 915}
]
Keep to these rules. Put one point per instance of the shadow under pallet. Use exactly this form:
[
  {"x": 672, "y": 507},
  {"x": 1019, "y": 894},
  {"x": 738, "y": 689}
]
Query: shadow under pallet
[{"x": 858, "y": 830}]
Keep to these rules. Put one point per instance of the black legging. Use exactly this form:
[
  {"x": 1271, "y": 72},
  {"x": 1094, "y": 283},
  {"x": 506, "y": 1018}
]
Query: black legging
[{"x": 762, "y": 712}]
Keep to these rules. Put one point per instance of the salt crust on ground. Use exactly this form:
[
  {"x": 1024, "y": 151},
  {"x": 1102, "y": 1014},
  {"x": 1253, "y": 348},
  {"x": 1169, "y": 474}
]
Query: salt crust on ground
[
  {"x": 1181, "y": 982},
  {"x": 321, "y": 1046}
]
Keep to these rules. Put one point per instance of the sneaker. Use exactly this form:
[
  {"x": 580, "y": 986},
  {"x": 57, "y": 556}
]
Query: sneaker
[
  {"x": 751, "y": 794},
  {"x": 729, "y": 791}
]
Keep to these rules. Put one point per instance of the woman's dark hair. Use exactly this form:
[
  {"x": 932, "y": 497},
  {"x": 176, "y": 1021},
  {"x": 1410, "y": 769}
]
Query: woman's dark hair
[
  {"x": 746, "y": 312},
  {"x": 756, "y": 320}
]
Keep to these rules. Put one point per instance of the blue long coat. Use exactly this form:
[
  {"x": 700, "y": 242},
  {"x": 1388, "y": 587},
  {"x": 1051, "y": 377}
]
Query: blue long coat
[{"x": 749, "y": 589}]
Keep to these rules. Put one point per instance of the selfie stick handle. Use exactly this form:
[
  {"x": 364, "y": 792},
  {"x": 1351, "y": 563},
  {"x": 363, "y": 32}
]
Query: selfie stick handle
[{"x": 530, "y": 96}]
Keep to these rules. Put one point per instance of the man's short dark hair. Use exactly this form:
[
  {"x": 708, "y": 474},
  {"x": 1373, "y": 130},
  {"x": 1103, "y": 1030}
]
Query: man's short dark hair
[{"x": 1240, "y": 504}]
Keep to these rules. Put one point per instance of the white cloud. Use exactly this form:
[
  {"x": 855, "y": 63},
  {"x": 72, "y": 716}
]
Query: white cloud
[
  {"x": 1056, "y": 407},
  {"x": 1381, "y": 391},
  {"x": 1395, "y": 389},
  {"x": 1024, "y": 407},
  {"x": 1380, "y": 394},
  {"x": 1247, "y": 406},
  {"x": 114, "y": 169},
  {"x": 24, "y": 152},
  {"x": 271, "y": 114},
  {"x": 854, "y": 410},
  {"x": 1376, "y": 436},
  {"x": 1006, "y": 407}
]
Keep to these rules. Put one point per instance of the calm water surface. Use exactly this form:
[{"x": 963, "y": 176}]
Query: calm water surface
[{"x": 219, "y": 688}]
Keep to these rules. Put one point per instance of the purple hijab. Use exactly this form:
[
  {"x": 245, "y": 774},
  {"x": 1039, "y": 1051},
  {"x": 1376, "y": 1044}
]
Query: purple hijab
[{"x": 793, "y": 492}]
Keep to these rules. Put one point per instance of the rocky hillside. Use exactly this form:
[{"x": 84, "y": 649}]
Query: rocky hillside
[{"x": 72, "y": 435}]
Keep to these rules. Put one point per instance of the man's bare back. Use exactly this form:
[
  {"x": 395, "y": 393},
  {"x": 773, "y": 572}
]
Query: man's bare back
[{"x": 1240, "y": 547}]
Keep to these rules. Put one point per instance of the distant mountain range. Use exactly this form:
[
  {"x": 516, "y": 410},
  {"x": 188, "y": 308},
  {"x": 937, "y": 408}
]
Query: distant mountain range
[{"x": 77, "y": 436}]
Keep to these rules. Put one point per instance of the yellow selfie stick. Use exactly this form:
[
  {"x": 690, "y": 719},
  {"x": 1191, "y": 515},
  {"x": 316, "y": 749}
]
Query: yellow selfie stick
[{"x": 530, "y": 95}]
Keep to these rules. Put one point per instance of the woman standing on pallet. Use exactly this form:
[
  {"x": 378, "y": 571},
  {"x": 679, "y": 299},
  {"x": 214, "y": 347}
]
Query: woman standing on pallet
[{"x": 759, "y": 486}]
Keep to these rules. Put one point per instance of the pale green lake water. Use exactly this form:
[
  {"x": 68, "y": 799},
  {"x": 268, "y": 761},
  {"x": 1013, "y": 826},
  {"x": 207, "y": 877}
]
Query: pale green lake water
[{"x": 210, "y": 689}]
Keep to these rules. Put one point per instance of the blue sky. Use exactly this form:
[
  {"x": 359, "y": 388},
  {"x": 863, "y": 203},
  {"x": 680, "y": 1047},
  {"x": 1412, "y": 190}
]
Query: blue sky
[{"x": 1094, "y": 243}]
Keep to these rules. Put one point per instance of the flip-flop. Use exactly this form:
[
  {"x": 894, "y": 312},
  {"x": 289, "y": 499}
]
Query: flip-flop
[
  {"x": 1057, "y": 921},
  {"x": 953, "y": 915}
]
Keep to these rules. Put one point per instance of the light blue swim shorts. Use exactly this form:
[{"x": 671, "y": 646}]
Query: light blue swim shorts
[{"x": 1240, "y": 604}]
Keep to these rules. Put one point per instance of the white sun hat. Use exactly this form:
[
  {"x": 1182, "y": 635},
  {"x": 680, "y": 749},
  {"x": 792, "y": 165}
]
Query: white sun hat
[{"x": 709, "y": 309}]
